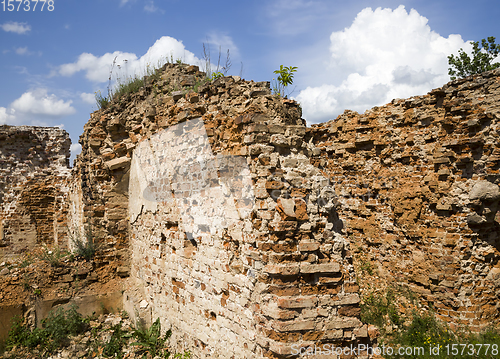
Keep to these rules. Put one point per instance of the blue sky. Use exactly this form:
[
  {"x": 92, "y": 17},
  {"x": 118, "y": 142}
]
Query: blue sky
[{"x": 350, "y": 54}]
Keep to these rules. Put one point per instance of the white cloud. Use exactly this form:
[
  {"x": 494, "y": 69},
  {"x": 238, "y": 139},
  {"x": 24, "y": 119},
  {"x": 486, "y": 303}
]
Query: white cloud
[
  {"x": 39, "y": 102},
  {"x": 6, "y": 116},
  {"x": 88, "y": 98},
  {"x": 35, "y": 107},
  {"x": 75, "y": 149},
  {"x": 17, "y": 27},
  {"x": 387, "y": 54},
  {"x": 23, "y": 51},
  {"x": 98, "y": 69}
]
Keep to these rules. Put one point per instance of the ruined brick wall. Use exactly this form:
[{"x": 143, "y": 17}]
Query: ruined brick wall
[
  {"x": 234, "y": 241},
  {"x": 417, "y": 182},
  {"x": 247, "y": 232},
  {"x": 34, "y": 168}
]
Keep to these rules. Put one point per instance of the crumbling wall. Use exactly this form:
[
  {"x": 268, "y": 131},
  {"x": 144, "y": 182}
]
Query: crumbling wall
[
  {"x": 248, "y": 233},
  {"x": 417, "y": 182},
  {"x": 233, "y": 236},
  {"x": 34, "y": 168}
]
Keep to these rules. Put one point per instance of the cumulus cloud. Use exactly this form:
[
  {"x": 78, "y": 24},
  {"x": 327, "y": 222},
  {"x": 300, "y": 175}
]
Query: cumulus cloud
[
  {"x": 6, "y": 116},
  {"x": 88, "y": 98},
  {"x": 39, "y": 102},
  {"x": 387, "y": 54},
  {"x": 17, "y": 27},
  {"x": 97, "y": 68},
  {"x": 35, "y": 107}
]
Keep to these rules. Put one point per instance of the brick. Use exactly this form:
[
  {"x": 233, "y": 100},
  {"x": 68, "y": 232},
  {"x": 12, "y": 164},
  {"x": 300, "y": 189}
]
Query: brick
[
  {"x": 320, "y": 268},
  {"x": 297, "y": 302},
  {"x": 117, "y": 163},
  {"x": 308, "y": 246},
  {"x": 296, "y": 325},
  {"x": 283, "y": 269}
]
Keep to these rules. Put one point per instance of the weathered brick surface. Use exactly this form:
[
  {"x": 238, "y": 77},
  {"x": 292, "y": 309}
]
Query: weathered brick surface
[
  {"x": 262, "y": 265},
  {"x": 407, "y": 190},
  {"x": 417, "y": 185},
  {"x": 34, "y": 169}
]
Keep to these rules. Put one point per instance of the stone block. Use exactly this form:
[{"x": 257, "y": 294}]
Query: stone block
[
  {"x": 297, "y": 302},
  {"x": 332, "y": 267},
  {"x": 295, "y": 325},
  {"x": 118, "y": 163}
]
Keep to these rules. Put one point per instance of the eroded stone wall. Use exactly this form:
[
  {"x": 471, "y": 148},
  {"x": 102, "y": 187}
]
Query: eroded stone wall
[
  {"x": 417, "y": 182},
  {"x": 34, "y": 169},
  {"x": 251, "y": 264},
  {"x": 233, "y": 275}
]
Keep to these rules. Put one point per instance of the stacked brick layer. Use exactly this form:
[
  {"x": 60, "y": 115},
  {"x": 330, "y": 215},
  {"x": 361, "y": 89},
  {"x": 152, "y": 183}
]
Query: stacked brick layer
[
  {"x": 417, "y": 181},
  {"x": 33, "y": 187}
]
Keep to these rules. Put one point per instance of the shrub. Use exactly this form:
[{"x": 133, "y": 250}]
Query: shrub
[
  {"x": 53, "y": 334},
  {"x": 422, "y": 331},
  {"x": 482, "y": 59}
]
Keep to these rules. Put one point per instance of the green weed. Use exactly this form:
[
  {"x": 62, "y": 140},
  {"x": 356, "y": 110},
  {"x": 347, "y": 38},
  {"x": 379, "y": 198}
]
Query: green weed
[
  {"x": 102, "y": 101},
  {"x": 150, "y": 340},
  {"x": 85, "y": 249},
  {"x": 53, "y": 334},
  {"x": 422, "y": 331},
  {"x": 284, "y": 79},
  {"x": 213, "y": 72},
  {"x": 119, "y": 338},
  {"x": 53, "y": 255},
  {"x": 376, "y": 309}
]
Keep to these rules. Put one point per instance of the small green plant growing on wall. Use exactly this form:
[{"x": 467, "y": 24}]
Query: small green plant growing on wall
[
  {"x": 53, "y": 334},
  {"x": 216, "y": 75},
  {"x": 284, "y": 79},
  {"x": 54, "y": 255},
  {"x": 84, "y": 248}
]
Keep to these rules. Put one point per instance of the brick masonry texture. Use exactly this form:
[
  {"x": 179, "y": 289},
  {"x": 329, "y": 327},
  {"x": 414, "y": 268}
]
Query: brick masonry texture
[
  {"x": 417, "y": 182},
  {"x": 273, "y": 273},
  {"x": 247, "y": 232},
  {"x": 34, "y": 171}
]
